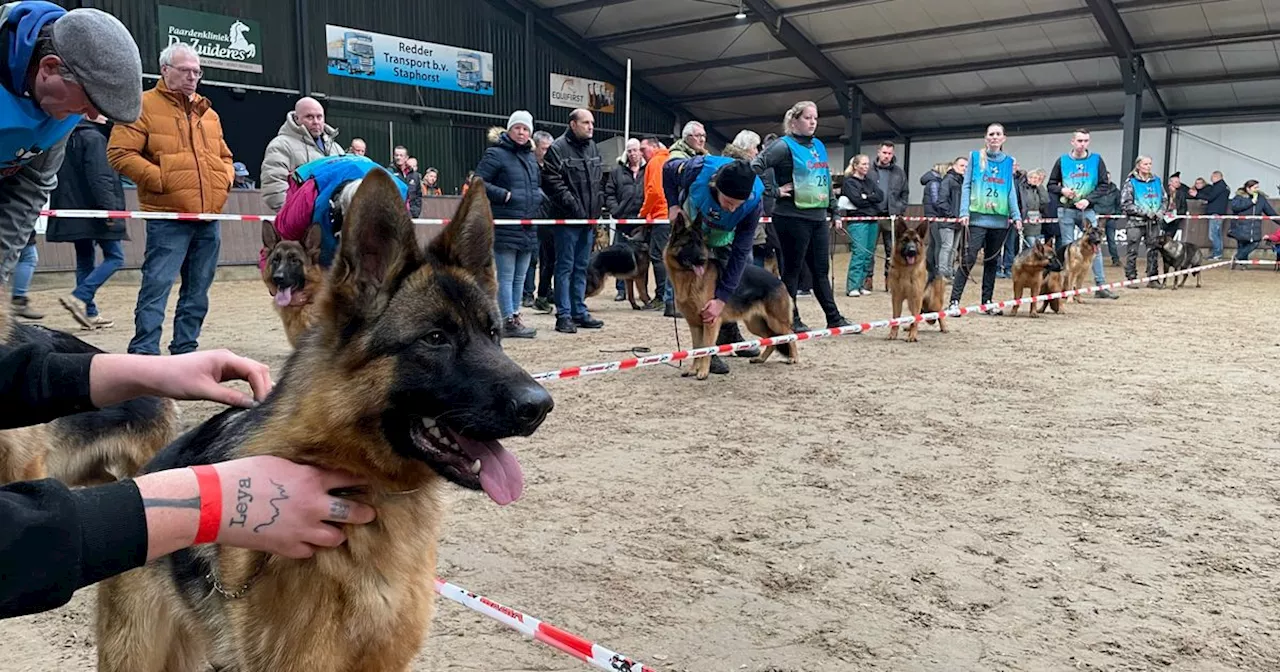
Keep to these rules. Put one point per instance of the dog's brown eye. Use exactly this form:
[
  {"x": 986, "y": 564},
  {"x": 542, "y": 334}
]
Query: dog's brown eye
[
  {"x": 436, "y": 337},
  {"x": 493, "y": 333}
]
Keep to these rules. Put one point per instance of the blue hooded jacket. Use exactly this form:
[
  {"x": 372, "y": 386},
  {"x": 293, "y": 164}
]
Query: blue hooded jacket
[{"x": 26, "y": 131}]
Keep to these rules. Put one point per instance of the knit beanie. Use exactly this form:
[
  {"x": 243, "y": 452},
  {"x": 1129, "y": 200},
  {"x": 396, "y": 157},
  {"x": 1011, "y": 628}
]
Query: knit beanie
[
  {"x": 736, "y": 180},
  {"x": 520, "y": 117}
]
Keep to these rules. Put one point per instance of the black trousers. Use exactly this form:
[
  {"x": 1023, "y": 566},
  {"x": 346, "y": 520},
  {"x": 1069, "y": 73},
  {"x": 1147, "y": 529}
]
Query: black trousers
[
  {"x": 807, "y": 243},
  {"x": 546, "y": 261},
  {"x": 987, "y": 242}
]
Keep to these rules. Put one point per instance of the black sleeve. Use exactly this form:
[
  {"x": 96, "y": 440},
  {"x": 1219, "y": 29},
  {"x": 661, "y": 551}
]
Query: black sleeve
[
  {"x": 1054, "y": 185},
  {"x": 104, "y": 183},
  {"x": 54, "y": 541},
  {"x": 38, "y": 385}
]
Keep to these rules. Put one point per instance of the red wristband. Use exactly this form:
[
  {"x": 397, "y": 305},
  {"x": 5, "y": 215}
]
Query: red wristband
[{"x": 210, "y": 488}]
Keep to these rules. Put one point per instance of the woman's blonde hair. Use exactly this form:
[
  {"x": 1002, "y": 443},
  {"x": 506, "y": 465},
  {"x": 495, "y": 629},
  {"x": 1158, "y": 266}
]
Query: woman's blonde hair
[
  {"x": 848, "y": 171},
  {"x": 1138, "y": 162},
  {"x": 982, "y": 156},
  {"x": 795, "y": 112},
  {"x": 942, "y": 168}
]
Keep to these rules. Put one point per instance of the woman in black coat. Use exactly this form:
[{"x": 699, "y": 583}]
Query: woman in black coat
[
  {"x": 87, "y": 182},
  {"x": 511, "y": 180}
]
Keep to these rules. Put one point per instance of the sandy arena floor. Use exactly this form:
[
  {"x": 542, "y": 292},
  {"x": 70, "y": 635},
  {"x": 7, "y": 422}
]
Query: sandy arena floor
[{"x": 1095, "y": 491}]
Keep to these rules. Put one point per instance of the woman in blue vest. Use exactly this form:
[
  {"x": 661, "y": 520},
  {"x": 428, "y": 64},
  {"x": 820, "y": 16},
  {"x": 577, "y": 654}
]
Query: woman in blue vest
[
  {"x": 1144, "y": 201},
  {"x": 805, "y": 204},
  {"x": 988, "y": 202},
  {"x": 725, "y": 197}
]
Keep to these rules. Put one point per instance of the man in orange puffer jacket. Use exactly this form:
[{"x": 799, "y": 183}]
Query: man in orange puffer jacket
[
  {"x": 176, "y": 155},
  {"x": 655, "y": 207}
]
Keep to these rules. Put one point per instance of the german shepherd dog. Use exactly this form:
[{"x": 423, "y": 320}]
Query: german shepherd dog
[
  {"x": 1179, "y": 256},
  {"x": 88, "y": 448},
  {"x": 628, "y": 261},
  {"x": 1078, "y": 259},
  {"x": 760, "y": 301},
  {"x": 1029, "y": 272},
  {"x": 402, "y": 382},
  {"x": 294, "y": 277},
  {"x": 908, "y": 276}
]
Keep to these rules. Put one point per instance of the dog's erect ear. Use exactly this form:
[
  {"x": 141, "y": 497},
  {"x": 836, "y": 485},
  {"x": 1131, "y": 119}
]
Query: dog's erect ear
[
  {"x": 377, "y": 247},
  {"x": 681, "y": 222},
  {"x": 311, "y": 242},
  {"x": 467, "y": 241},
  {"x": 922, "y": 229},
  {"x": 269, "y": 235}
]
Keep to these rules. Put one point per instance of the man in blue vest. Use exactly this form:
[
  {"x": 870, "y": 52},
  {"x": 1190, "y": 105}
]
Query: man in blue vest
[
  {"x": 1077, "y": 178},
  {"x": 723, "y": 196},
  {"x": 56, "y": 67}
]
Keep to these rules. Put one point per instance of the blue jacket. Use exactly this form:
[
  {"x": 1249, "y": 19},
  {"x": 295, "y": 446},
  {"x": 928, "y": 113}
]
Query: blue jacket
[
  {"x": 32, "y": 143},
  {"x": 513, "y": 183},
  {"x": 678, "y": 176}
]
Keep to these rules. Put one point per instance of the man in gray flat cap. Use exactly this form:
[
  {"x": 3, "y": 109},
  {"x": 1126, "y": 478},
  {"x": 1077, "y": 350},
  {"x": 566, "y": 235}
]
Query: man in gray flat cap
[{"x": 56, "y": 68}]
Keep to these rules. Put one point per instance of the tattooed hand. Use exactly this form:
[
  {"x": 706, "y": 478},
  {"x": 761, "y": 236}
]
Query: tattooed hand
[{"x": 271, "y": 504}]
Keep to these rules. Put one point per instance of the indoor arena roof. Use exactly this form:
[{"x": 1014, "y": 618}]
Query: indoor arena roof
[{"x": 930, "y": 68}]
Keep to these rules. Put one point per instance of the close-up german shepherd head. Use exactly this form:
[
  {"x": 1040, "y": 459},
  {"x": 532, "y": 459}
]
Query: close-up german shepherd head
[{"x": 910, "y": 241}]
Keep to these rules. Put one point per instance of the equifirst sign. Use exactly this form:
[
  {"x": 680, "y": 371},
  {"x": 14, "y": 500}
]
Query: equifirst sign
[{"x": 594, "y": 95}]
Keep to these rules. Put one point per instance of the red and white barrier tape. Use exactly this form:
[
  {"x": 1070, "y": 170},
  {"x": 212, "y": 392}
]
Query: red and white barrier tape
[
  {"x": 651, "y": 360},
  {"x": 210, "y": 217},
  {"x": 588, "y": 652}
]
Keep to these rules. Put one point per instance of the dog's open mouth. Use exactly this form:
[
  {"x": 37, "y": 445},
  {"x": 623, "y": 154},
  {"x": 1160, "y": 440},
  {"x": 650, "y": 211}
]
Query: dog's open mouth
[
  {"x": 289, "y": 296},
  {"x": 699, "y": 270},
  {"x": 479, "y": 465},
  {"x": 910, "y": 256}
]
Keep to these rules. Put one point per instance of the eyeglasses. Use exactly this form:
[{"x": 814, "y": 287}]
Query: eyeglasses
[{"x": 188, "y": 71}]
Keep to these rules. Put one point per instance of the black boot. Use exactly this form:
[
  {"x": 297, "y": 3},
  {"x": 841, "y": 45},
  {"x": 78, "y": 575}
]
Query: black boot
[
  {"x": 729, "y": 333},
  {"x": 718, "y": 366},
  {"x": 671, "y": 311}
]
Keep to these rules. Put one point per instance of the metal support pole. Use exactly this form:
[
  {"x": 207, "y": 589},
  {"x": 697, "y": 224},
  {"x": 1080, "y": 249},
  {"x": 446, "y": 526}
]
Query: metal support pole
[
  {"x": 1168, "y": 149},
  {"x": 852, "y": 128},
  {"x": 1133, "y": 90},
  {"x": 301, "y": 32}
]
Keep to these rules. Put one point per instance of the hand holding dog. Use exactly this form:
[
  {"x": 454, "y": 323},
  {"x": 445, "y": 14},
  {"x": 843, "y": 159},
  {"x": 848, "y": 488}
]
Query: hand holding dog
[
  {"x": 115, "y": 378},
  {"x": 711, "y": 312},
  {"x": 269, "y": 504}
]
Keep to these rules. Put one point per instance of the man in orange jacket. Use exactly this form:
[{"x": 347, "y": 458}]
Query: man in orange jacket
[
  {"x": 176, "y": 155},
  {"x": 655, "y": 207}
]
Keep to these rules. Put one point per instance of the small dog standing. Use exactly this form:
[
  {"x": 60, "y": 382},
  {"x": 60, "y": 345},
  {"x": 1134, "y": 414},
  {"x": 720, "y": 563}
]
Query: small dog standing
[
  {"x": 1029, "y": 273},
  {"x": 1179, "y": 256}
]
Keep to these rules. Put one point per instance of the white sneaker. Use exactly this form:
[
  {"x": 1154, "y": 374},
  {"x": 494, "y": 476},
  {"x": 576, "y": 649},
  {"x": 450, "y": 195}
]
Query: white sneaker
[{"x": 854, "y": 292}]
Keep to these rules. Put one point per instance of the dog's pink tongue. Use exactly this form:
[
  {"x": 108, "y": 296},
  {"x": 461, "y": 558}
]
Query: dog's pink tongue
[
  {"x": 283, "y": 296},
  {"x": 699, "y": 270},
  {"x": 500, "y": 473}
]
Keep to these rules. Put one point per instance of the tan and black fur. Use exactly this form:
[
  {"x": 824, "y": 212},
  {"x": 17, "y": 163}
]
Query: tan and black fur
[
  {"x": 760, "y": 301},
  {"x": 1078, "y": 259},
  {"x": 295, "y": 266},
  {"x": 627, "y": 261},
  {"x": 908, "y": 276},
  {"x": 405, "y": 338},
  {"x": 1052, "y": 282},
  {"x": 87, "y": 448},
  {"x": 1029, "y": 273}
]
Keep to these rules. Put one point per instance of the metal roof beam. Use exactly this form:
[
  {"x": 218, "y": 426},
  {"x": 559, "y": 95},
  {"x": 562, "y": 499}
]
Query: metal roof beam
[
  {"x": 737, "y": 122},
  {"x": 787, "y": 87},
  {"x": 676, "y": 29},
  {"x": 1112, "y": 25},
  {"x": 730, "y": 61},
  {"x": 785, "y": 32},
  {"x": 584, "y": 5},
  {"x": 988, "y": 64},
  {"x": 557, "y": 30},
  {"x": 1215, "y": 41}
]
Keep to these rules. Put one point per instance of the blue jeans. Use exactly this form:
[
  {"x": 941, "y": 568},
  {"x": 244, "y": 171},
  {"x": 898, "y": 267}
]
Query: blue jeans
[
  {"x": 89, "y": 277},
  {"x": 512, "y": 267},
  {"x": 1243, "y": 250},
  {"x": 1111, "y": 239},
  {"x": 1068, "y": 220},
  {"x": 573, "y": 252},
  {"x": 186, "y": 249},
  {"x": 1215, "y": 237},
  {"x": 531, "y": 276},
  {"x": 1010, "y": 251},
  {"x": 26, "y": 268}
]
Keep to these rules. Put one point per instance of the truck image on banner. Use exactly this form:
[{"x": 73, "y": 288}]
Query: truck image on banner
[{"x": 397, "y": 60}]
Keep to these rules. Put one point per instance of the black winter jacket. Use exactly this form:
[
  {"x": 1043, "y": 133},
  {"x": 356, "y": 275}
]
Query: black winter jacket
[
  {"x": 1216, "y": 197},
  {"x": 511, "y": 181},
  {"x": 624, "y": 194},
  {"x": 864, "y": 194},
  {"x": 87, "y": 182},
  {"x": 1249, "y": 230},
  {"x": 932, "y": 183},
  {"x": 949, "y": 191},
  {"x": 572, "y": 173},
  {"x": 895, "y": 187}
]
